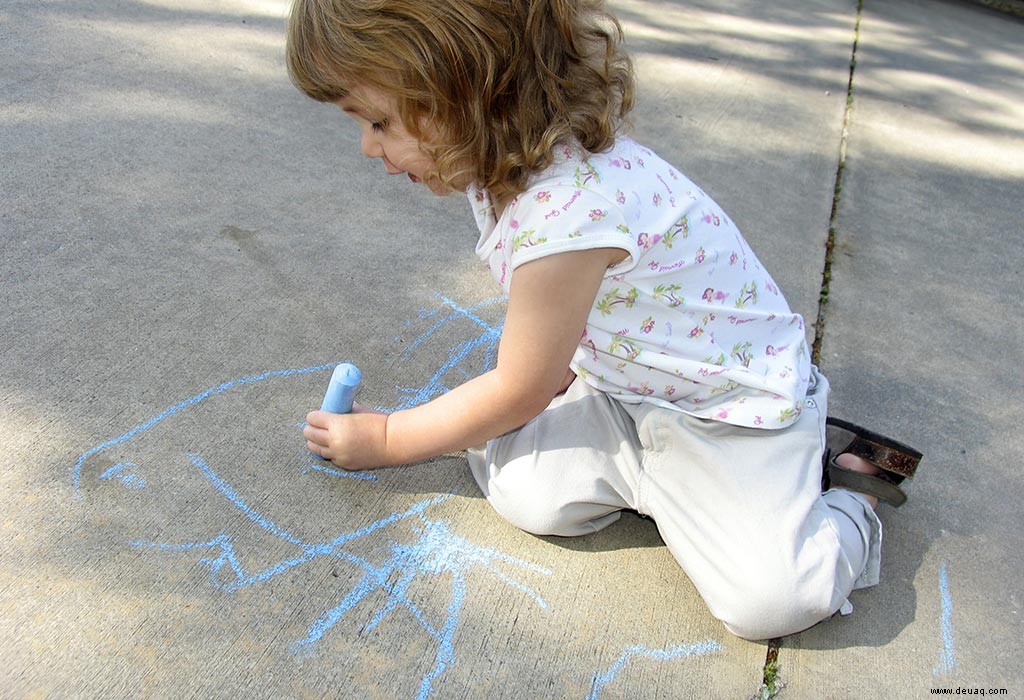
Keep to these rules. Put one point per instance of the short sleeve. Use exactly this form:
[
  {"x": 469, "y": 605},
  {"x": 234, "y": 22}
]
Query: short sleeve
[{"x": 559, "y": 219}]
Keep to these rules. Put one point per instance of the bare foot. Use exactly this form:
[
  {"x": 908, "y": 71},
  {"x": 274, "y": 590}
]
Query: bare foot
[{"x": 856, "y": 464}]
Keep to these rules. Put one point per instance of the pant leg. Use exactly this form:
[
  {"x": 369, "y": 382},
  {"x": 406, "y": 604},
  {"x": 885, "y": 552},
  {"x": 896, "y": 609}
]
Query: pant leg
[
  {"x": 742, "y": 511},
  {"x": 567, "y": 472}
]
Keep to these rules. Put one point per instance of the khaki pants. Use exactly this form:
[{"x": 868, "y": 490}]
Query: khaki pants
[{"x": 741, "y": 509}]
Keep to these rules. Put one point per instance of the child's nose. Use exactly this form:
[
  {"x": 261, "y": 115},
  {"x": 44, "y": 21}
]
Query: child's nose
[{"x": 370, "y": 145}]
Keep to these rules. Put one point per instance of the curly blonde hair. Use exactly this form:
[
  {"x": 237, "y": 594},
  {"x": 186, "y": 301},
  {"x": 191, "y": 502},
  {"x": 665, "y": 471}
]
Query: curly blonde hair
[{"x": 500, "y": 82}]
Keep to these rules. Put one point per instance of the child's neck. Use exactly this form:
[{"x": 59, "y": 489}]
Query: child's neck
[{"x": 499, "y": 205}]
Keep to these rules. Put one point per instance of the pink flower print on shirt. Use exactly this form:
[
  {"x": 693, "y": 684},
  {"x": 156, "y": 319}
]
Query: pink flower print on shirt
[
  {"x": 647, "y": 325},
  {"x": 542, "y": 197},
  {"x": 733, "y": 258},
  {"x": 614, "y": 298},
  {"x": 623, "y": 163},
  {"x": 758, "y": 420},
  {"x": 620, "y": 197},
  {"x": 711, "y": 218},
  {"x": 772, "y": 351},
  {"x": 597, "y": 214},
  {"x": 514, "y": 224},
  {"x": 700, "y": 256},
  {"x": 666, "y": 294},
  {"x": 670, "y": 389},
  {"x": 696, "y": 332},
  {"x": 656, "y": 199},
  {"x": 722, "y": 414}
]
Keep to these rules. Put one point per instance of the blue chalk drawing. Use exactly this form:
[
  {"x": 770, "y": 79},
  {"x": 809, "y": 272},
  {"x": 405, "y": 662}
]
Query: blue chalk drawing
[
  {"x": 122, "y": 473},
  {"x": 436, "y": 552},
  {"x": 191, "y": 402},
  {"x": 947, "y": 658},
  {"x": 340, "y": 473},
  {"x": 487, "y": 340},
  {"x": 674, "y": 651}
]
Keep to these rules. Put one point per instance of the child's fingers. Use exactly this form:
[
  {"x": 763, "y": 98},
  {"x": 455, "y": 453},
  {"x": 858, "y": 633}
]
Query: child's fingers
[
  {"x": 318, "y": 419},
  {"x": 316, "y": 449},
  {"x": 315, "y": 435}
]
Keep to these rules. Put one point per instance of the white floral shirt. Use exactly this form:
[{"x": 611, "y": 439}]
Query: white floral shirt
[{"x": 690, "y": 320}]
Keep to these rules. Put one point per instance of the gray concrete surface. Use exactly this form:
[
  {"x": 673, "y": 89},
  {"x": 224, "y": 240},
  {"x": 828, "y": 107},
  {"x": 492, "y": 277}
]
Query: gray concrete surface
[
  {"x": 188, "y": 243},
  {"x": 923, "y": 339}
]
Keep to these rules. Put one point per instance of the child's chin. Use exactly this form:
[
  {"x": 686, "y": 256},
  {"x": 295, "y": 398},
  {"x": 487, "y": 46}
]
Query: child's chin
[{"x": 438, "y": 188}]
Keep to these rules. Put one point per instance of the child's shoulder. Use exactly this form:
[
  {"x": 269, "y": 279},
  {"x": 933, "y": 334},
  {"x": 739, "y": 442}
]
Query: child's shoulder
[{"x": 625, "y": 162}]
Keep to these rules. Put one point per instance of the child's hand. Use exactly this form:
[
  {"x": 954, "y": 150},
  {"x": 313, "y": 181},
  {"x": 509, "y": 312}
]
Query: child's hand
[{"x": 356, "y": 440}]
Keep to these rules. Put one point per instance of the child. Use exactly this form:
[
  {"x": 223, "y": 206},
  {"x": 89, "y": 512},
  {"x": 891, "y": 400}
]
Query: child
[{"x": 647, "y": 360}]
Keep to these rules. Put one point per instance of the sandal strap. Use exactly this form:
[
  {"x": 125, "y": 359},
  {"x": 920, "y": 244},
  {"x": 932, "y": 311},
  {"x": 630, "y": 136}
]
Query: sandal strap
[
  {"x": 884, "y": 453},
  {"x": 876, "y": 486},
  {"x": 883, "y": 457}
]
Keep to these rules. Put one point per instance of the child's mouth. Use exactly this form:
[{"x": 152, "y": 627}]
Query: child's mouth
[{"x": 413, "y": 177}]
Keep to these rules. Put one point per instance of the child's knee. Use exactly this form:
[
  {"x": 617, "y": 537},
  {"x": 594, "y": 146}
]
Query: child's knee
[
  {"x": 541, "y": 512},
  {"x": 770, "y": 606},
  {"x": 527, "y": 508}
]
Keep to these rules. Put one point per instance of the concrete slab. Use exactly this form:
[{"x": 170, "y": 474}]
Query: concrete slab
[
  {"x": 923, "y": 340},
  {"x": 189, "y": 244}
]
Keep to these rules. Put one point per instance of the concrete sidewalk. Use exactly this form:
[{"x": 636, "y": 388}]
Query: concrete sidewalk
[{"x": 189, "y": 245}]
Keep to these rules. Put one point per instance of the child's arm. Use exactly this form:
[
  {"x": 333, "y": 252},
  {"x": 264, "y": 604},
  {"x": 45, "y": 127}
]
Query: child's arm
[{"x": 549, "y": 301}]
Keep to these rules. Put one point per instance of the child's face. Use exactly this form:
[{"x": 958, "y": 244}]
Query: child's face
[{"x": 385, "y": 137}]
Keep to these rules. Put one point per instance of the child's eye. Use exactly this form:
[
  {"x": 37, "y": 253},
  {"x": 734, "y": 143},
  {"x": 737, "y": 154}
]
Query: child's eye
[{"x": 379, "y": 126}]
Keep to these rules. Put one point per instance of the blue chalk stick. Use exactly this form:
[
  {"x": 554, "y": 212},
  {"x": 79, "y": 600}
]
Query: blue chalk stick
[{"x": 342, "y": 389}]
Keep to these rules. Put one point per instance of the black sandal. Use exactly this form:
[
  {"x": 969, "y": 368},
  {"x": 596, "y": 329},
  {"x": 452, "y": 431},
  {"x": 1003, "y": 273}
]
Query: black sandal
[{"x": 896, "y": 460}]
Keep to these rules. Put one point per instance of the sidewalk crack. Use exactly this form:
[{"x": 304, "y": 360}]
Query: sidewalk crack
[
  {"x": 770, "y": 682},
  {"x": 826, "y": 273}
]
